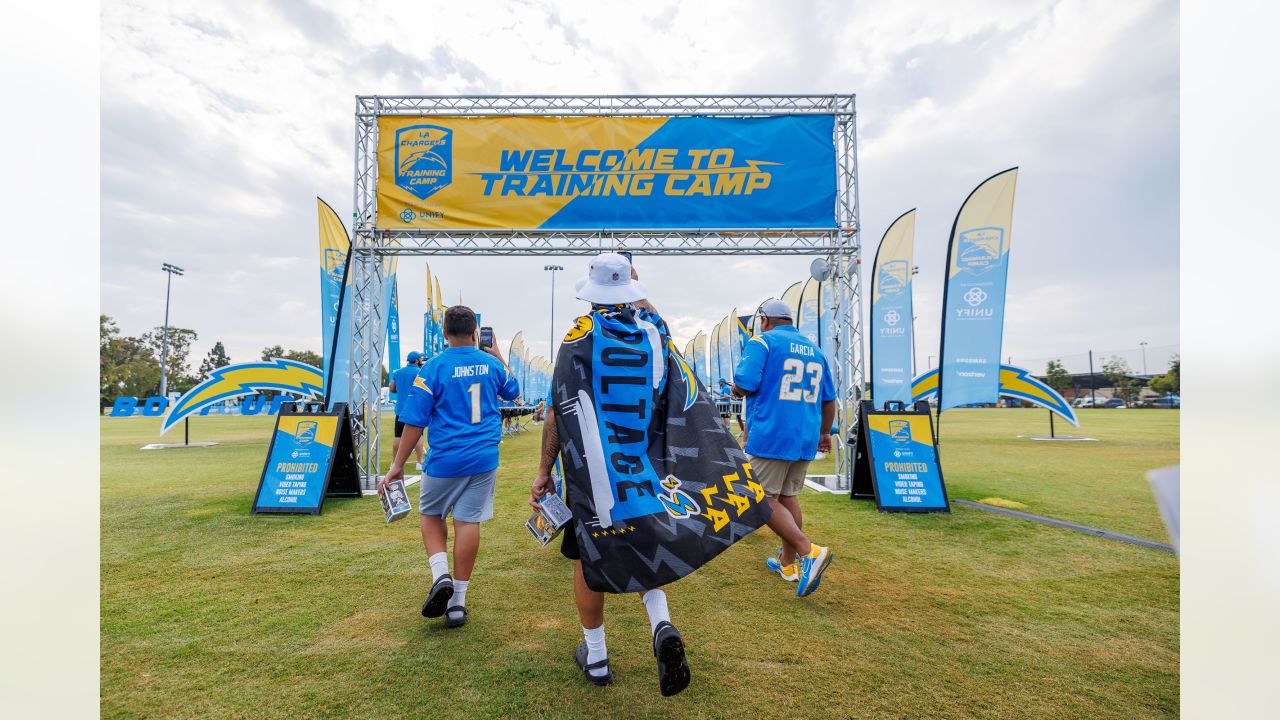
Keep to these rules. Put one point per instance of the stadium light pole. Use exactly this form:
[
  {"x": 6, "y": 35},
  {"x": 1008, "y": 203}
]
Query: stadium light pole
[
  {"x": 914, "y": 362},
  {"x": 1144, "y": 356},
  {"x": 551, "y": 346},
  {"x": 164, "y": 338}
]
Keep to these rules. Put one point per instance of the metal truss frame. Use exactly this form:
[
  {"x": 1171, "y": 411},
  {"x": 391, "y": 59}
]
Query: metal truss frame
[{"x": 841, "y": 246}]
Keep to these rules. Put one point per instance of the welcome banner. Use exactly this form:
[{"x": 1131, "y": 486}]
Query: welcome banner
[
  {"x": 525, "y": 173},
  {"x": 973, "y": 300},
  {"x": 891, "y": 310}
]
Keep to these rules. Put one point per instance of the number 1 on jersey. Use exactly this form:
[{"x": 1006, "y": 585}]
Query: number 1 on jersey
[{"x": 474, "y": 391}]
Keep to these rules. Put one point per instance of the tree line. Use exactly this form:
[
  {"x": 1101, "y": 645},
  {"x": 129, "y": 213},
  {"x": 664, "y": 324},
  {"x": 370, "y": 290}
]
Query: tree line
[
  {"x": 1117, "y": 371},
  {"x": 130, "y": 366}
]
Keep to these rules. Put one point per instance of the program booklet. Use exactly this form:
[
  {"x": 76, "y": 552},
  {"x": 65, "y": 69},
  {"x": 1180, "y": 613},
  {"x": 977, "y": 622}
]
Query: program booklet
[
  {"x": 395, "y": 502},
  {"x": 550, "y": 520}
]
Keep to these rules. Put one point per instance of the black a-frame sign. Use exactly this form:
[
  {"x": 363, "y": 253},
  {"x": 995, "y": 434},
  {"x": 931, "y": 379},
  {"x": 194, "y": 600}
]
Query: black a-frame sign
[
  {"x": 311, "y": 457},
  {"x": 896, "y": 460}
]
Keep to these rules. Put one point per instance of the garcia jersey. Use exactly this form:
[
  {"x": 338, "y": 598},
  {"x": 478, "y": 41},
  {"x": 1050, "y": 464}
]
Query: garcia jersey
[
  {"x": 788, "y": 378},
  {"x": 455, "y": 396}
]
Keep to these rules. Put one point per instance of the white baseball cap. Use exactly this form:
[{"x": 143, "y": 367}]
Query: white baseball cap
[
  {"x": 608, "y": 281},
  {"x": 775, "y": 309}
]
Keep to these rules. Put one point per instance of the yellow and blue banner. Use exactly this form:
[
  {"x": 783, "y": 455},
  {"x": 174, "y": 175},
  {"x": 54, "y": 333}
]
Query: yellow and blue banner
[
  {"x": 974, "y": 297},
  {"x": 891, "y": 312},
  {"x": 393, "y": 328},
  {"x": 827, "y": 316},
  {"x": 807, "y": 311},
  {"x": 335, "y": 304},
  {"x": 528, "y": 173}
]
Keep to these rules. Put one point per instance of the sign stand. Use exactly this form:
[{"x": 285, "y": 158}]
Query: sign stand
[
  {"x": 896, "y": 460},
  {"x": 311, "y": 457}
]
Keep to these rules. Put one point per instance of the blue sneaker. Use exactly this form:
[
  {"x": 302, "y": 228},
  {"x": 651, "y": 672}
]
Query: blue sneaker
[
  {"x": 811, "y": 568},
  {"x": 787, "y": 572}
]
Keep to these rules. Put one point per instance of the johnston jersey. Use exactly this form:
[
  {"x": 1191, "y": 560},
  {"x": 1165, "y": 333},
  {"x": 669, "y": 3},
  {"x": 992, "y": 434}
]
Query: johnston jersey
[
  {"x": 789, "y": 380},
  {"x": 455, "y": 397}
]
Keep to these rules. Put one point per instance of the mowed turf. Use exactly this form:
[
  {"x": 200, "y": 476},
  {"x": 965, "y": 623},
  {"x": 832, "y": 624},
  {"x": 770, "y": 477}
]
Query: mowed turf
[{"x": 208, "y": 612}]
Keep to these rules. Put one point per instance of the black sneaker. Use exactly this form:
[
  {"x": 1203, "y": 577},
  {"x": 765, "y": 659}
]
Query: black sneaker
[
  {"x": 455, "y": 617},
  {"x": 673, "y": 669},
  {"x": 580, "y": 657},
  {"x": 438, "y": 598}
]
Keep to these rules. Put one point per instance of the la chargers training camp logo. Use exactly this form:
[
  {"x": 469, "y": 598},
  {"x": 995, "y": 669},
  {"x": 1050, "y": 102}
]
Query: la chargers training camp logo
[
  {"x": 424, "y": 159},
  {"x": 900, "y": 431},
  {"x": 334, "y": 263},
  {"x": 893, "y": 277},
  {"x": 306, "y": 432},
  {"x": 980, "y": 249}
]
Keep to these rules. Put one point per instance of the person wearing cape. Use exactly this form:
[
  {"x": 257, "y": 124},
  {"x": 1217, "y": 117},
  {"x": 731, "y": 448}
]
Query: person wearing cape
[{"x": 656, "y": 484}]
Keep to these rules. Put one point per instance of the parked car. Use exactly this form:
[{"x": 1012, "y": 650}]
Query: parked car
[
  {"x": 1084, "y": 402},
  {"x": 1115, "y": 404},
  {"x": 1172, "y": 401}
]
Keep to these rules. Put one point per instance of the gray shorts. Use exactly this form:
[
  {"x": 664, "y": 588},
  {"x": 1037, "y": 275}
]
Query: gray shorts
[
  {"x": 468, "y": 498},
  {"x": 779, "y": 477}
]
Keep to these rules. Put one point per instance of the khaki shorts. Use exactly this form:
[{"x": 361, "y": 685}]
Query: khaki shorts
[{"x": 779, "y": 477}]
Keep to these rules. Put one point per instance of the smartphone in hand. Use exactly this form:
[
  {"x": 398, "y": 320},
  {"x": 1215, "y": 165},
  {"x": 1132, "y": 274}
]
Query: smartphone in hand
[{"x": 486, "y": 337}]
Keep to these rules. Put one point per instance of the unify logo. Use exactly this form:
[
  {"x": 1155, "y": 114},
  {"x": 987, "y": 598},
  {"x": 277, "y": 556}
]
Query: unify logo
[
  {"x": 891, "y": 318},
  {"x": 975, "y": 296},
  {"x": 424, "y": 161}
]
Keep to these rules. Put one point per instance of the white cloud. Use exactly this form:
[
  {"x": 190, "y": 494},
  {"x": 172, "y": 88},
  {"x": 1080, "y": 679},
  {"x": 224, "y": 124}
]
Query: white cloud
[{"x": 222, "y": 121}]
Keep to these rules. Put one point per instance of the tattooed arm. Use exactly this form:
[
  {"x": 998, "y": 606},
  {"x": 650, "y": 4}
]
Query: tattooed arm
[{"x": 542, "y": 483}]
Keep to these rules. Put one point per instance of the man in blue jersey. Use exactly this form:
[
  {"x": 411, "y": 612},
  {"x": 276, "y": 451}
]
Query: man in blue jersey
[
  {"x": 790, "y": 408},
  {"x": 456, "y": 395},
  {"x": 401, "y": 381}
]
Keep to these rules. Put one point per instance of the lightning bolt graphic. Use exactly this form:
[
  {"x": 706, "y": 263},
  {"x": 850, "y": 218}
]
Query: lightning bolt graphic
[
  {"x": 1015, "y": 382},
  {"x": 245, "y": 379},
  {"x": 690, "y": 382}
]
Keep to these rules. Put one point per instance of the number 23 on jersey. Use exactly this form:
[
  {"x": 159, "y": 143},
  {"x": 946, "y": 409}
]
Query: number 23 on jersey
[{"x": 800, "y": 380}]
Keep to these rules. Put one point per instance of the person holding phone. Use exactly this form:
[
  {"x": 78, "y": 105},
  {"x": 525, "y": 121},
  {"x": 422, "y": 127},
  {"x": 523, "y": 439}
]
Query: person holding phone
[{"x": 456, "y": 395}]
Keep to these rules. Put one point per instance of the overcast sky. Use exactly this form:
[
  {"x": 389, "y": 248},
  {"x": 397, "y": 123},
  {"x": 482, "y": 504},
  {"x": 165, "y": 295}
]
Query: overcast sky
[{"x": 222, "y": 121}]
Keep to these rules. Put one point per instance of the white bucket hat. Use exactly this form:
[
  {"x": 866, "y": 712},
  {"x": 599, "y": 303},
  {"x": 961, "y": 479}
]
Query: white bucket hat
[{"x": 608, "y": 281}]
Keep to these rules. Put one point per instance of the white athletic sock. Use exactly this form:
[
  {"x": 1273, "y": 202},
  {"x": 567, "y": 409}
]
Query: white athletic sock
[
  {"x": 655, "y": 602},
  {"x": 596, "y": 650},
  {"x": 439, "y": 565},
  {"x": 459, "y": 593}
]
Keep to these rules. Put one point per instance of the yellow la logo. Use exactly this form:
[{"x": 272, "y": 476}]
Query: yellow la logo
[{"x": 580, "y": 329}]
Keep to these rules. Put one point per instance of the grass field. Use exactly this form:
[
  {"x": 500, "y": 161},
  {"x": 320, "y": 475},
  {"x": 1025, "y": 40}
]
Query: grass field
[{"x": 208, "y": 612}]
